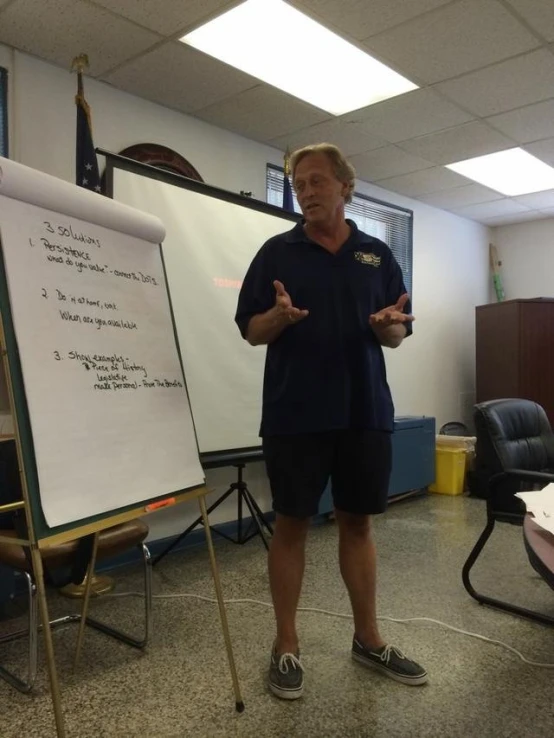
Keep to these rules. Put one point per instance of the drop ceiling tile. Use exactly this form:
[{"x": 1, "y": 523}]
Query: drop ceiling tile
[
  {"x": 524, "y": 125},
  {"x": 262, "y": 113},
  {"x": 169, "y": 17},
  {"x": 457, "y": 144},
  {"x": 513, "y": 219},
  {"x": 538, "y": 13},
  {"x": 386, "y": 162},
  {"x": 505, "y": 86},
  {"x": 406, "y": 116},
  {"x": 506, "y": 206},
  {"x": 349, "y": 137},
  {"x": 356, "y": 18},
  {"x": 543, "y": 150},
  {"x": 61, "y": 29},
  {"x": 423, "y": 181},
  {"x": 537, "y": 200},
  {"x": 197, "y": 80},
  {"x": 460, "y": 197},
  {"x": 463, "y": 36}
]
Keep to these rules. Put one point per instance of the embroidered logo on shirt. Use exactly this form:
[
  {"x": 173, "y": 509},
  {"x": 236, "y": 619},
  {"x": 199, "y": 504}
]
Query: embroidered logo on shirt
[{"x": 369, "y": 259}]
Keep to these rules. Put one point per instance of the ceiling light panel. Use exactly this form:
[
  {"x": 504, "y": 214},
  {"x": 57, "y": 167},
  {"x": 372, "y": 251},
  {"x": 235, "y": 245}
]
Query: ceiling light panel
[
  {"x": 281, "y": 46},
  {"x": 511, "y": 172}
]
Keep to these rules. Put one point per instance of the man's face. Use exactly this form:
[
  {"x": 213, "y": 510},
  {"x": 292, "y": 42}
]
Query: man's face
[{"x": 319, "y": 193}]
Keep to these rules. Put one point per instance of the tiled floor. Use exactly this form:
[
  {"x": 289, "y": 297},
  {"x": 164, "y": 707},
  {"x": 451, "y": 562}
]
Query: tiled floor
[{"x": 182, "y": 686}]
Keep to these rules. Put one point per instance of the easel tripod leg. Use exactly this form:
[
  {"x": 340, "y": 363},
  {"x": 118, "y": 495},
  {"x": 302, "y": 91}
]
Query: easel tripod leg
[
  {"x": 86, "y": 600},
  {"x": 222, "y": 613},
  {"x": 48, "y": 644}
]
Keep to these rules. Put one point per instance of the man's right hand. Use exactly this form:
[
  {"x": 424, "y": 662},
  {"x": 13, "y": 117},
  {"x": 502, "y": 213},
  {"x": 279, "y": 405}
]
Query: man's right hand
[
  {"x": 265, "y": 328},
  {"x": 283, "y": 304}
]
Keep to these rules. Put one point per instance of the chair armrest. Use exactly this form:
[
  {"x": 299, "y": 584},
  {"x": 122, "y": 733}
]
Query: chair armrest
[
  {"x": 499, "y": 507},
  {"x": 525, "y": 475}
]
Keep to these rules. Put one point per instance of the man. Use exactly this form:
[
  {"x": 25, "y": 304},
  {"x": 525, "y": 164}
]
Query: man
[{"x": 326, "y": 298}]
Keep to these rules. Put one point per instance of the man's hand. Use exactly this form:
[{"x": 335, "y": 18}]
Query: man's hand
[
  {"x": 392, "y": 315},
  {"x": 389, "y": 323},
  {"x": 284, "y": 307},
  {"x": 267, "y": 327}
]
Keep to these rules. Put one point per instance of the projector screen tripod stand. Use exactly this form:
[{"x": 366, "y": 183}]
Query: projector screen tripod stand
[{"x": 244, "y": 532}]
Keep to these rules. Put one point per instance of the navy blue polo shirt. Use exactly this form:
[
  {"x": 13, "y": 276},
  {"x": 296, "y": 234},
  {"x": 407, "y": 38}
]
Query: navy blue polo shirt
[{"x": 326, "y": 372}]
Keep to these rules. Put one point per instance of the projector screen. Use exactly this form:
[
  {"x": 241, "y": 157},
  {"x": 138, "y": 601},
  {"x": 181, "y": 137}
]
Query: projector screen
[{"x": 212, "y": 236}]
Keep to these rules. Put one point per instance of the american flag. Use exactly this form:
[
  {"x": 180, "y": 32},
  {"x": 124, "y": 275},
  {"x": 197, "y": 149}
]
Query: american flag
[{"x": 86, "y": 170}]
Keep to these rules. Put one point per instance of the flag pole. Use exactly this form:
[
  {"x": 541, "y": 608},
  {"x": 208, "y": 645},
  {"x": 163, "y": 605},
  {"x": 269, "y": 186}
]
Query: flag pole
[
  {"x": 286, "y": 165},
  {"x": 86, "y": 164},
  {"x": 79, "y": 64},
  {"x": 99, "y": 584},
  {"x": 288, "y": 203}
]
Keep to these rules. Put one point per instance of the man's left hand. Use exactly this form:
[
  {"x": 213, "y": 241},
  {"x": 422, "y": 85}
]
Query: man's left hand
[
  {"x": 389, "y": 323},
  {"x": 392, "y": 315}
]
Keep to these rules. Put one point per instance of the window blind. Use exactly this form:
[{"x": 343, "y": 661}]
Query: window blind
[{"x": 389, "y": 223}]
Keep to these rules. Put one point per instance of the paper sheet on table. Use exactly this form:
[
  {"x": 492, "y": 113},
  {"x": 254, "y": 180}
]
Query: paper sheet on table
[{"x": 540, "y": 504}]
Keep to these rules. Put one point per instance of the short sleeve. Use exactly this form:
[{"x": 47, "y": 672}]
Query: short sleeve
[
  {"x": 396, "y": 288},
  {"x": 257, "y": 294}
]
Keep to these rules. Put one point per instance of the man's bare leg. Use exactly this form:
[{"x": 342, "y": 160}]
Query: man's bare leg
[
  {"x": 286, "y": 571},
  {"x": 358, "y": 566}
]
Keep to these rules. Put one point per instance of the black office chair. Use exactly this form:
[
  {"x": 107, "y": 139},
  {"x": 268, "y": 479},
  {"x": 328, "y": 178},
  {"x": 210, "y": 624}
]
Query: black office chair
[{"x": 515, "y": 449}]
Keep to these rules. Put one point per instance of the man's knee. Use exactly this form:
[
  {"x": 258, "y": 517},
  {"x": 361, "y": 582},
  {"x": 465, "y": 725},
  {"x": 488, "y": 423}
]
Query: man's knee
[
  {"x": 352, "y": 524},
  {"x": 290, "y": 528}
]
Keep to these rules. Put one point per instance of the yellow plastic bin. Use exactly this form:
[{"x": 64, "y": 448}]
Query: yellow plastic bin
[{"x": 450, "y": 470}]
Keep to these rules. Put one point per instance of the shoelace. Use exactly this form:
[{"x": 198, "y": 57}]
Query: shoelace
[
  {"x": 388, "y": 651},
  {"x": 289, "y": 658}
]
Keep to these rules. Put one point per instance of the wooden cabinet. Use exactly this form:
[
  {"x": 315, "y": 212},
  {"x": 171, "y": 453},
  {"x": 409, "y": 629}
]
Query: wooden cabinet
[{"x": 515, "y": 351}]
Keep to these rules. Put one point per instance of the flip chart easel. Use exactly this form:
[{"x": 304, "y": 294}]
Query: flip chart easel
[{"x": 102, "y": 421}]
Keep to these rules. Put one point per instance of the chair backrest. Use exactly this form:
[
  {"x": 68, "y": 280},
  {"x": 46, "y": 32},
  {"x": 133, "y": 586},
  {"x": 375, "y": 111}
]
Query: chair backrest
[
  {"x": 512, "y": 434},
  {"x": 10, "y": 482}
]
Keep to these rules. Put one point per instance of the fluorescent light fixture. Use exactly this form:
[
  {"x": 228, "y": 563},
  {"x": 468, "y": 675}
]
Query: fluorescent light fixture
[
  {"x": 511, "y": 172},
  {"x": 278, "y": 44}
]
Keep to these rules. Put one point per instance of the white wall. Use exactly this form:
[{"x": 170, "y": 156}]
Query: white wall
[
  {"x": 44, "y": 129},
  {"x": 432, "y": 374},
  {"x": 526, "y": 251}
]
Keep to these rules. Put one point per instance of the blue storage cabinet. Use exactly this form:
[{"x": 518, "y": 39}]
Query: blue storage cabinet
[
  {"x": 413, "y": 454},
  {"x": 413, "y": 458}
]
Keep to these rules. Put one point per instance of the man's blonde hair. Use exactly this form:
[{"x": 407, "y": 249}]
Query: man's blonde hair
[{"x": 344, "y": 171}]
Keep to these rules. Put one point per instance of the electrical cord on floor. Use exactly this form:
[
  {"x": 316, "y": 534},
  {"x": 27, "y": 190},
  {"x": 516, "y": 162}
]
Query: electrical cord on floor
[{"x": 346, "y": 616}]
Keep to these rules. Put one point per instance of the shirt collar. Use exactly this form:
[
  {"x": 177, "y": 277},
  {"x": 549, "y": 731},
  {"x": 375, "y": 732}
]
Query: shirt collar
[{"x": 298, "y": 235}]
